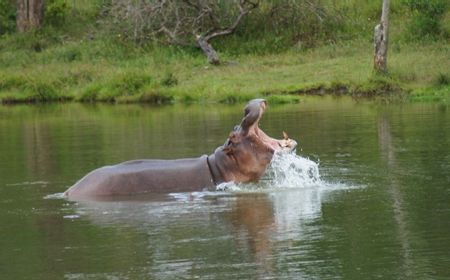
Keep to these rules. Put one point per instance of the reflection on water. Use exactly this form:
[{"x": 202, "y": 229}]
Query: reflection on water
[
  {"x": 377, "y": 206},
  {"x": 252, "y": 224}
]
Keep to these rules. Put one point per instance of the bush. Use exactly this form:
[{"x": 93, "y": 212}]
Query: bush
[
  {"x": 427, "y": 16},
  {"x": 56, "y": 12},
  {"x": 7, "y": 16}
]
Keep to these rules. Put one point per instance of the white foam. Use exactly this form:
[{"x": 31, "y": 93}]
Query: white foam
[
  {"x": 286, "y": 170},
  {"x": 54, "y": 196},
  {"x": 74, "y": 216}
]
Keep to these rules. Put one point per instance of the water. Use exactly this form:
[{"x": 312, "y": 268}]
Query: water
[
  {"x": 286, "y": 170},
  {"x": 367, "y": 196}
]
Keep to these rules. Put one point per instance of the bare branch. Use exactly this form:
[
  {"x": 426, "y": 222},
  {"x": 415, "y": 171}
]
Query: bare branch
[
  {"x": 181, "y": 22},
  {"x": 245, "y": 7}
]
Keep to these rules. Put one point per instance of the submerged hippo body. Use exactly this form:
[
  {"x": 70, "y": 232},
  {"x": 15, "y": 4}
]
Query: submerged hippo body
[{"x": 243, "y": 158}]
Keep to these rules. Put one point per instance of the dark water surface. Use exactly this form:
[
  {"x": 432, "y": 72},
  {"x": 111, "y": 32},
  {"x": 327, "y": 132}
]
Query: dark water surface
[{"x": 384, "y": 212}]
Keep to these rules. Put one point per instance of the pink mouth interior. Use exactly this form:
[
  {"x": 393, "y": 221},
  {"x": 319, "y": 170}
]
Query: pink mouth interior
[{"x": 274, "y": 144}]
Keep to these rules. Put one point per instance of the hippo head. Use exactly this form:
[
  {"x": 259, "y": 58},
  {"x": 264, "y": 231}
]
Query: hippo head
[{"x": 248, "y": 150}]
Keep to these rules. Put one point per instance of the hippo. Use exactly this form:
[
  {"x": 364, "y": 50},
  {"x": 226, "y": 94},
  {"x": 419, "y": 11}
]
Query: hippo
[{"x": 243, "y": 158}]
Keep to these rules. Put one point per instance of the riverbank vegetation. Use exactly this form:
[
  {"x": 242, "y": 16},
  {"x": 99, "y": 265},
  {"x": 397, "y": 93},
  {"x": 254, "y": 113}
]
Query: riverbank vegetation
[{"x": 83, "y": 53}]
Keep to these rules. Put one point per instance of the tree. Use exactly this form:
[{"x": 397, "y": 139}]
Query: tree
[
  {"x": 182, "y": 22},
  {"x": 381, "y": 37},
  {"x": 29, "y": 14}
]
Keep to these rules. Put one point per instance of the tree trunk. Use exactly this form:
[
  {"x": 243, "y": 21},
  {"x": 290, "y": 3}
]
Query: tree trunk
[
  {"x": 211, "y": 54},
  {"x": 29, "y": 14},
  {"x": 381, "y": 40}
]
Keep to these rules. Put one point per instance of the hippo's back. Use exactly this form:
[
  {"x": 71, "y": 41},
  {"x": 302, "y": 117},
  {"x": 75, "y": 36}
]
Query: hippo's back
[{"x": 143, "y": 176}]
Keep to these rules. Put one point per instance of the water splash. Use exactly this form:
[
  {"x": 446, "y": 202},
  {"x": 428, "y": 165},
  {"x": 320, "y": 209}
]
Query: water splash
[
  {"x": 286, "y": 170},
  {"x": 55, "y": 196}
]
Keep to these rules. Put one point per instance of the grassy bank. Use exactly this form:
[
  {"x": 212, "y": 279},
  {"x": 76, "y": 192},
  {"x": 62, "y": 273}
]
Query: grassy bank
[
  {"x": 81, "y": 54},
  {"x": 100, "y": 70}
]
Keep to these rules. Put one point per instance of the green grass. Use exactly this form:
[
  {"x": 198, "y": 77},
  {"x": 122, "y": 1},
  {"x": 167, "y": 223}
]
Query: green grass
[
  {"x": 85, "y": 58},
  {"x": 110, "y": 71},
  {"x": 440, "y": 91}
]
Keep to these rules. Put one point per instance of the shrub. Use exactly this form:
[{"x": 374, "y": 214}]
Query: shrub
[
  {"x": 7, "y": 16},
  {"x": 56, "y": 12},
  {"x": 426, "y": 17}
]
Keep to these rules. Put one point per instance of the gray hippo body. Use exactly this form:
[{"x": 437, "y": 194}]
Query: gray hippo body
[
  {"x": 243, "y": 158},
  {"x": 140, "y": 176}
]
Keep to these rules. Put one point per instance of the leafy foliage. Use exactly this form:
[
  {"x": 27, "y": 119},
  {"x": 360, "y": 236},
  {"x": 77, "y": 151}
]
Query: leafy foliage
[
  {"x": 7, "y": 16},
  {"x": 427, "y": 17},
  {"x": 56, "y": 12}
]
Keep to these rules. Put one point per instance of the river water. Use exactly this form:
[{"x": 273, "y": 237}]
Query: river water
[{"x": 366, "y": 197}]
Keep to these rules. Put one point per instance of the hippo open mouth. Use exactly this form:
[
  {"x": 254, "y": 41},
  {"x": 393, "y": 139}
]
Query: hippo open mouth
[{"x": 253, "y": 114}]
